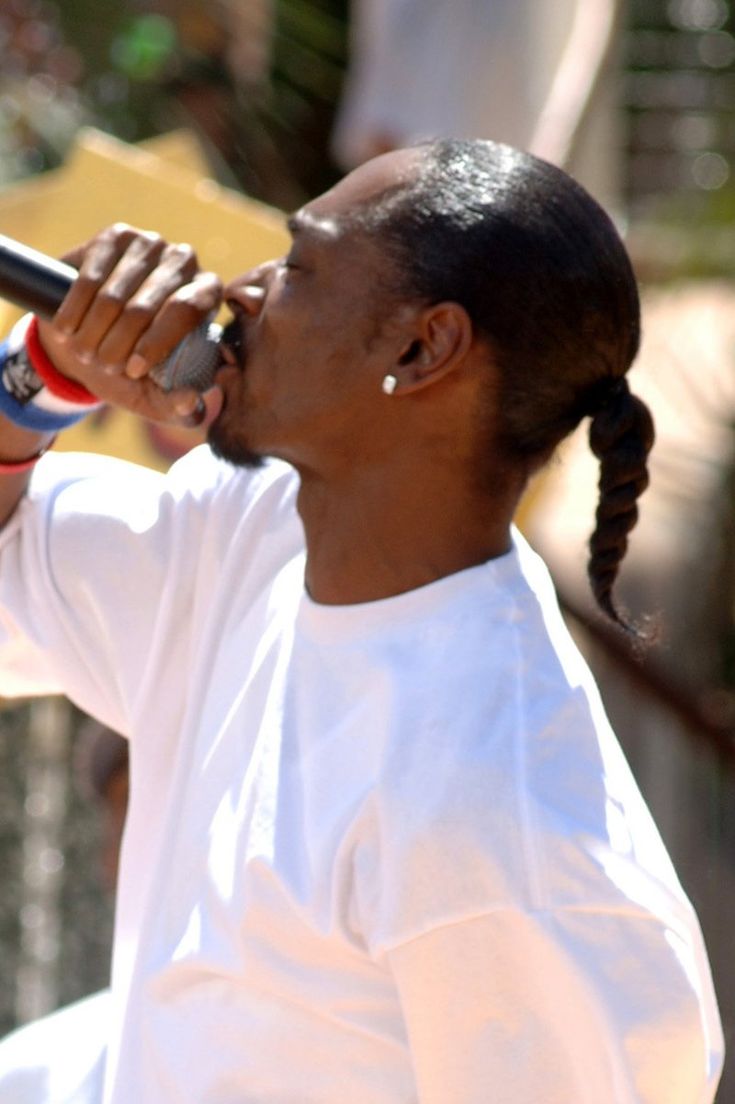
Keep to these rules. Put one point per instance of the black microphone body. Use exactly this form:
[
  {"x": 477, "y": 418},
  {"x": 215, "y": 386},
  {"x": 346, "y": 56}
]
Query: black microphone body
[{"x": 38, "y": 283}]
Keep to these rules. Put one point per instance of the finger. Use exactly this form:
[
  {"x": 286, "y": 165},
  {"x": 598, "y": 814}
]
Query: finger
[
  {"x": 143, "y": 398},
  {"x": 95, "y": 261},
  {"x": 182, "y": 312},
  {"x": 113, "y": 297},
  {"x": 75, "y": 256},
  {"x": 177, "y": 265}
]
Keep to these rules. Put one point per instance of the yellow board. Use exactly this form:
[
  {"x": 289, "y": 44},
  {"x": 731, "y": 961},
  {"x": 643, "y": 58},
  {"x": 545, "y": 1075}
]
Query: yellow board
[{"x": 160, "y": 185}]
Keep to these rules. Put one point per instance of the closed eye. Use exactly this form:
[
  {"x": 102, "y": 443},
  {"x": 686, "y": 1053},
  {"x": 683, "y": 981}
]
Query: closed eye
[{"x": 292, "y": 264}]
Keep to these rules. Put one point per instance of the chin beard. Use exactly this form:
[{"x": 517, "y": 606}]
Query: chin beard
[{"x": 233, "y": 451}]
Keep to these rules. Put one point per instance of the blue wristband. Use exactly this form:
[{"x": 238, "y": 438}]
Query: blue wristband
[{"x": 24, "y": 397}]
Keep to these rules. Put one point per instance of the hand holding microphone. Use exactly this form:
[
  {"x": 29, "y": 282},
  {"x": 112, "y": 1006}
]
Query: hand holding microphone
[{"x": 135, "y": 307}]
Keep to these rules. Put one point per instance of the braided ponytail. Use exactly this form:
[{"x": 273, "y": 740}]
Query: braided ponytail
[
  {"x": 621, "y": 436},
  {"x": 545, "y": 278}
]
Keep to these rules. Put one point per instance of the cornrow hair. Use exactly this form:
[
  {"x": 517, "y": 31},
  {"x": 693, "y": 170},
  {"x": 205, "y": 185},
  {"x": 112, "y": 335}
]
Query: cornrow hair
[{"x": 621, "y": 436}]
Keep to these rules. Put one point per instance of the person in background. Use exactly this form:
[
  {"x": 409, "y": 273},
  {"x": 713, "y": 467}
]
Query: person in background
[{"x": 420, "y": 70}]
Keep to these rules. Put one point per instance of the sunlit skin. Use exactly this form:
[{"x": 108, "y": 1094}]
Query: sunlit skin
[
  {"x": 115, "y": 807},
  {"x": 388, "y": 488},
  {"x": 390, "y": 498}
]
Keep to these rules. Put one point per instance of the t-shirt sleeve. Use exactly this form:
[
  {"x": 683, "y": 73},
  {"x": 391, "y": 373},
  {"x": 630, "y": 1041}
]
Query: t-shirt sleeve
[
  {"x": 561, "y": 1007},
  {"x": 99, "y": 573}
]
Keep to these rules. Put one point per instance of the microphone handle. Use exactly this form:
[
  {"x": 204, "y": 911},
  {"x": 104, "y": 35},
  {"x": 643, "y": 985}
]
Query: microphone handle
[
  {"x": 38, "y": 283},
  {"x": 32, "y": 280}
]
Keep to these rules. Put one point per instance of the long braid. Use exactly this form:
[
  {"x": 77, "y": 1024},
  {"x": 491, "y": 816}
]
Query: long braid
[
  {"x": 545, "y": 278},
  {"x": 621, "y": 436}
]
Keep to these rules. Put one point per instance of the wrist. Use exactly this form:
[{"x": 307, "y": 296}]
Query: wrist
[
  {"x": 33, "y": 393},
  {"x": 14, "y": 467},
  {"x": 57, "y": 384}
]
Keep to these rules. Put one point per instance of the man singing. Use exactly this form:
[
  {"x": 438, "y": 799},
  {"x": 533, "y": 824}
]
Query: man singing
[{"x": 382, "y": 847}]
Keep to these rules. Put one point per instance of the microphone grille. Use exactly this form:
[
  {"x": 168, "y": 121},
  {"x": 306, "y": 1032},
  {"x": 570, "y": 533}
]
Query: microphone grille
[{"x": 193, "y": 362}]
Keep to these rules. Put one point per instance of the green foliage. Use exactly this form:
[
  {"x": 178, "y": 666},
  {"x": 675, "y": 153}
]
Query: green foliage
[
  {"x": 679, "y": 94},
  {"x": 137, "y": 72},
  {"x": 77, "y": 962}
]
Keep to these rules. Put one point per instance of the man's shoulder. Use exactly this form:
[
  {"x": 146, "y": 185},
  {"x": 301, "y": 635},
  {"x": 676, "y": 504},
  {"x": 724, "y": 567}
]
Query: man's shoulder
[
  {"x": 200, "y": 469},
  {"x": 199, "y": 494},
  {"x": 196, "y": 472},
  {"x": 202, "y": 483}
]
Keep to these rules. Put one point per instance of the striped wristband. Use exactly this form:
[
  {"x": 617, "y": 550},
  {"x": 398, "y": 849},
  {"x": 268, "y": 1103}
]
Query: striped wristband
[{"x": 33, "y": 393}]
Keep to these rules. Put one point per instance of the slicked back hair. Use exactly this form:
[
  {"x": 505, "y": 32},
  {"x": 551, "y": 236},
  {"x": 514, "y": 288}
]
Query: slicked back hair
[{"x": 545, "y": 278}]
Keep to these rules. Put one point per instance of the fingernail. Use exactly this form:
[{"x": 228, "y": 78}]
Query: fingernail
[
  {"x": 185, "y": 407},
  {"x": 136, "y": 366},
  {"x": 194, "y": 417}
]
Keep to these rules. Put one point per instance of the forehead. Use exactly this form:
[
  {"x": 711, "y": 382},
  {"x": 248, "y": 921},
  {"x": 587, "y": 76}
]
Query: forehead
[{"x": 328, "y": 216}]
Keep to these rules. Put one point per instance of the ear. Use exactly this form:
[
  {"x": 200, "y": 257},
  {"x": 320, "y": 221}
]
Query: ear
[{"x": 442, "y": 338}]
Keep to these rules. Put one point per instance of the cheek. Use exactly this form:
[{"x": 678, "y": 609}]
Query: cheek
[
  {"x": 281, "y": 351},
  {"x": 307, "y": 358}
]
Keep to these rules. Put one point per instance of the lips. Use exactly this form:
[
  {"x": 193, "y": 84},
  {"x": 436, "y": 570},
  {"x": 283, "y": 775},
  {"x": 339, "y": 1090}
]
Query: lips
[
  {"x": 232, "y": 344},
  {"x": 230, "y": 369},
  {"x": 213, "y": 400}
]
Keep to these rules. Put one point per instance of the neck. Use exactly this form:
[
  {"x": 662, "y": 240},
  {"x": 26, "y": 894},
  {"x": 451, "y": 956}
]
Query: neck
[{"x": 372, "y": 536}]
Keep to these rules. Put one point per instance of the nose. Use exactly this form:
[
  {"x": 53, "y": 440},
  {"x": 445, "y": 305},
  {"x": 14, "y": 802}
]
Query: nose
[{"x": 248, "y": 291}]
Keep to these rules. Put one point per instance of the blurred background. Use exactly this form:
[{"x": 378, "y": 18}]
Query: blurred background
[{"x": 208, "y": 118}]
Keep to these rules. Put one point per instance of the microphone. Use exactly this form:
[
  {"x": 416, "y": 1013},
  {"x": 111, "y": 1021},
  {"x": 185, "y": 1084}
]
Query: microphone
[{"x": 39, "y": 283}]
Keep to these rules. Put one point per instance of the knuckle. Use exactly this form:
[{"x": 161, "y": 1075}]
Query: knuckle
[
  {"x": 181, "y": 257},
  {"x": 86, "y": 282},
  {"x": 151, "y": 241},
  {"x": 138, "y": 311},
  {"x": 117, "y": 231},
  {"x": 181, "y": 249},
  {"x": 111, "y": 296},
  {"x": 205, "y": 291},
  {"x": 183, "y": 308},
  {"x": 210, "y": 282}
]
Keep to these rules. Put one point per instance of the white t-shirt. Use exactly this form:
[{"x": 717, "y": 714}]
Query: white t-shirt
[
  {"x": 59, "y": 1059},
  {"x": 376, "y": 854}
]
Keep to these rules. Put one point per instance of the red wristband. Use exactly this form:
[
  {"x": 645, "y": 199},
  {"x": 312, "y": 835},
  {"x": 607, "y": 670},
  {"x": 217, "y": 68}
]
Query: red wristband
[
  {"x": 61, "y": 386},
  {"x": 13, "y": 467}
]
